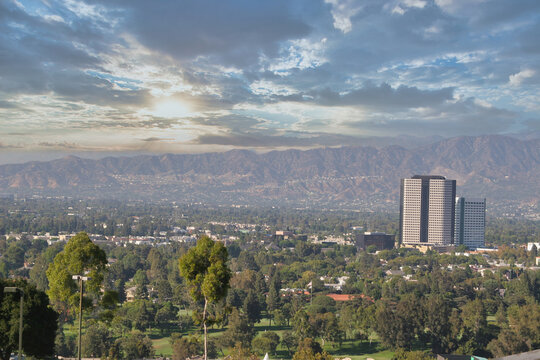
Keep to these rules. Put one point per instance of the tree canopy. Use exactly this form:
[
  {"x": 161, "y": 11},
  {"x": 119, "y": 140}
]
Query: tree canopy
[
  {"x": 205, "y": 269},
  {"x": 40, "y": 321},
  {"x": 80, "y": 256}
]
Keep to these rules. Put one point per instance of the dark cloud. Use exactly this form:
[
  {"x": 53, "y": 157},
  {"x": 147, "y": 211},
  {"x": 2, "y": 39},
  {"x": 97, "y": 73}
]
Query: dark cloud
[
  {"x": 464, "y": 117},
  {"x": 8, "y": 105},
  {"x": 9, "y": 146},
  {"x": 156, "y": 139},
  {"x": 234, "y": 32},
  {"x": 380, "y": 97}
]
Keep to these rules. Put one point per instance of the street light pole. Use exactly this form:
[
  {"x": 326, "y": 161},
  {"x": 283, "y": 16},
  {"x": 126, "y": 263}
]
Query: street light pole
[
  {"x": 21, "y": 292},
  {"x": 81, "y": 279}
]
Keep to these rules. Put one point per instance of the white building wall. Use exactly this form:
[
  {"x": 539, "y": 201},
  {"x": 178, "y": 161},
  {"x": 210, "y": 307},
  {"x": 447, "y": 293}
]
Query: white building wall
[
  {"x": 473, "y": 216},
  {"x": 440, "y": 212},
  {"x": 412, "y": 192}
]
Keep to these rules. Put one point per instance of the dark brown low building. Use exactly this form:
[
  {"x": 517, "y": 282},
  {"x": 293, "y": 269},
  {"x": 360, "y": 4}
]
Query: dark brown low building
[{"x": 380, "y": 240}]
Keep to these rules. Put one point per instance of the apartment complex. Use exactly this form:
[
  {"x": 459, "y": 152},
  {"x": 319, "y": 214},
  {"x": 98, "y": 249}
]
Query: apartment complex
[
  {"x": 470, "y": 222},
  {"x": 427, "y": 210}
]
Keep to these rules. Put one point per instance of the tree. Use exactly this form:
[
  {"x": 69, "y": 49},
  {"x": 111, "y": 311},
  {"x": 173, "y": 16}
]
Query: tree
[
  {"x": 141, "y": 282},
  {"x": 402, "y": 354},
  {"x": 267, "y": 342},
  {"x": 437, "y": 323},
  {"x": 327, "y": 327},
  {"x": 165, "y": 315},
  {"x": 310, "y": 350},
  {"x": 289, "y": 341},
  {"x": 38, "y": 275},
  {"x": 186, "y": 347},
  {"x": 142, "y": 318},
  {"x": 302, "y": 328},
  {"x": 80, "y": 256},
  {"x": 40, "y": 321},
  {"x": 239, "y": 330},
  {"x": 136, "y": 346},
  {"x": 205, "y": 269},
  {"x": 273, "y": 299},
  {"x": 96, "y": 341},
  {"x": 252, "y": 307}
]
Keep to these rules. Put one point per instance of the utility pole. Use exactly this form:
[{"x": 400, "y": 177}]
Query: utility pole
[
  {"x": 81, "y": 289},
  {"x": 21, "y": 292}
]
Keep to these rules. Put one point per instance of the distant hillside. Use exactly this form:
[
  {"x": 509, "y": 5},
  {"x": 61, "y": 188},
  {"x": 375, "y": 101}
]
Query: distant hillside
[{"x": 498, "y": 167}]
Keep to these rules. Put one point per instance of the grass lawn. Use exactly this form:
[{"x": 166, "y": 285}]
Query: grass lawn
[{"x": 162, "y": 346}]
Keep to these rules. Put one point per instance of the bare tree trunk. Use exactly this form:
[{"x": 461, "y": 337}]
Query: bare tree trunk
[{"x": 205, "y": 329}]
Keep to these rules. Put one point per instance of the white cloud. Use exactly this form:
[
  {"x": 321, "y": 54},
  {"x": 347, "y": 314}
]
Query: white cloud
[
  {"x": 54, "y": 18},
  {"x": 342, "y": 12},
  {"x": 301, "y": 54},
  {"x": 518, "y": 78},
  {"x": 401, "y": 7},
  {"x": 266, "y": 88}
]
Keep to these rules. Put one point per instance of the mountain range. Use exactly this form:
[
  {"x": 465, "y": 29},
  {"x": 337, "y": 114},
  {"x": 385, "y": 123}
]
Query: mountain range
[{"x": 500, "y": 168}]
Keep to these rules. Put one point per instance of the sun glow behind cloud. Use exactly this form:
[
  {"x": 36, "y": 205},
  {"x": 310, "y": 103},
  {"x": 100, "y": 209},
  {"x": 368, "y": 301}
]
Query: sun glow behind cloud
[{"x": 169, "y": 109}]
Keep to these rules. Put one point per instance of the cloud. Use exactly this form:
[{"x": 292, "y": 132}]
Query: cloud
[
  {"x": 276, "y": 141},
  {"x": 64, "y": 145},
  {"x": 233, "y": 32},
  {"x": 465, "y": 116},
  {"x": 9, "y": 146},
  {"x": 520, "y": 77},
  {"x": 155, "y": 139},
  {"x": 342, "y": 12},
  {"x": 378, "y": 97}
]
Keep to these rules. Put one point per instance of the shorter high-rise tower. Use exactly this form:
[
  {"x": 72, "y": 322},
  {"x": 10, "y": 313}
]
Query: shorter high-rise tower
[{"x": 470, "y": 222}]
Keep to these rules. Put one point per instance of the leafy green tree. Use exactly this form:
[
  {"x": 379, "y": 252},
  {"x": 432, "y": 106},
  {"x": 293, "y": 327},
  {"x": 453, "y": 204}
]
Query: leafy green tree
[
  {"x": 508, "y": 342},
  {"x": 309, "y": 349},
  {"x": 136, "y": 346},
  {"x": 267, "y": 342},
  {"x": 38, "y": 273},
  {"x": 239, "y": 330},
  {"x": 165, "y": 315},
  {"x": 186, "y": 347},
  {"x": 205, "y": 269},
  {"x": 273, "y": 299},
  {"x": 164, "y": 290},
  {"x": 402, "y": 354},
  {"x": 327, "y": 327},
  {"x": 64, "y": 346},
  {"x": 289, "y": 341},
  {"x": 96, "y": 341},
  {"x": 397, "y": 328},
  {"x": 141, "y": 284},
  {"x": 252, "y": 307},
  {"x": 144, "y": 316},
  {"x": 302, "y": 327},
  {"x": 80, "y": 256},
  {"x": 14, "y": 256},
  {"x": 437, "y": 313},
  {"x": 40, "y": 321}
]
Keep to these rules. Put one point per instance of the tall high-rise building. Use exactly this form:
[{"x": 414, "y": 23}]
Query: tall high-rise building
[
  {"x": 427, "y": 210},
  {"x": 470, "y": 222}
]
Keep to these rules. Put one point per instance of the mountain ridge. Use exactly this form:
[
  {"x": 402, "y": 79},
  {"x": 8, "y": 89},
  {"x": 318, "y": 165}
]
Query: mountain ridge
[{"x": 495, "y": 166}]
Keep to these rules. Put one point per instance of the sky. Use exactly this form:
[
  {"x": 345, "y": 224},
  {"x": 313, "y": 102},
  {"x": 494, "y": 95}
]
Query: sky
[{"x": 126, "y": 77}]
